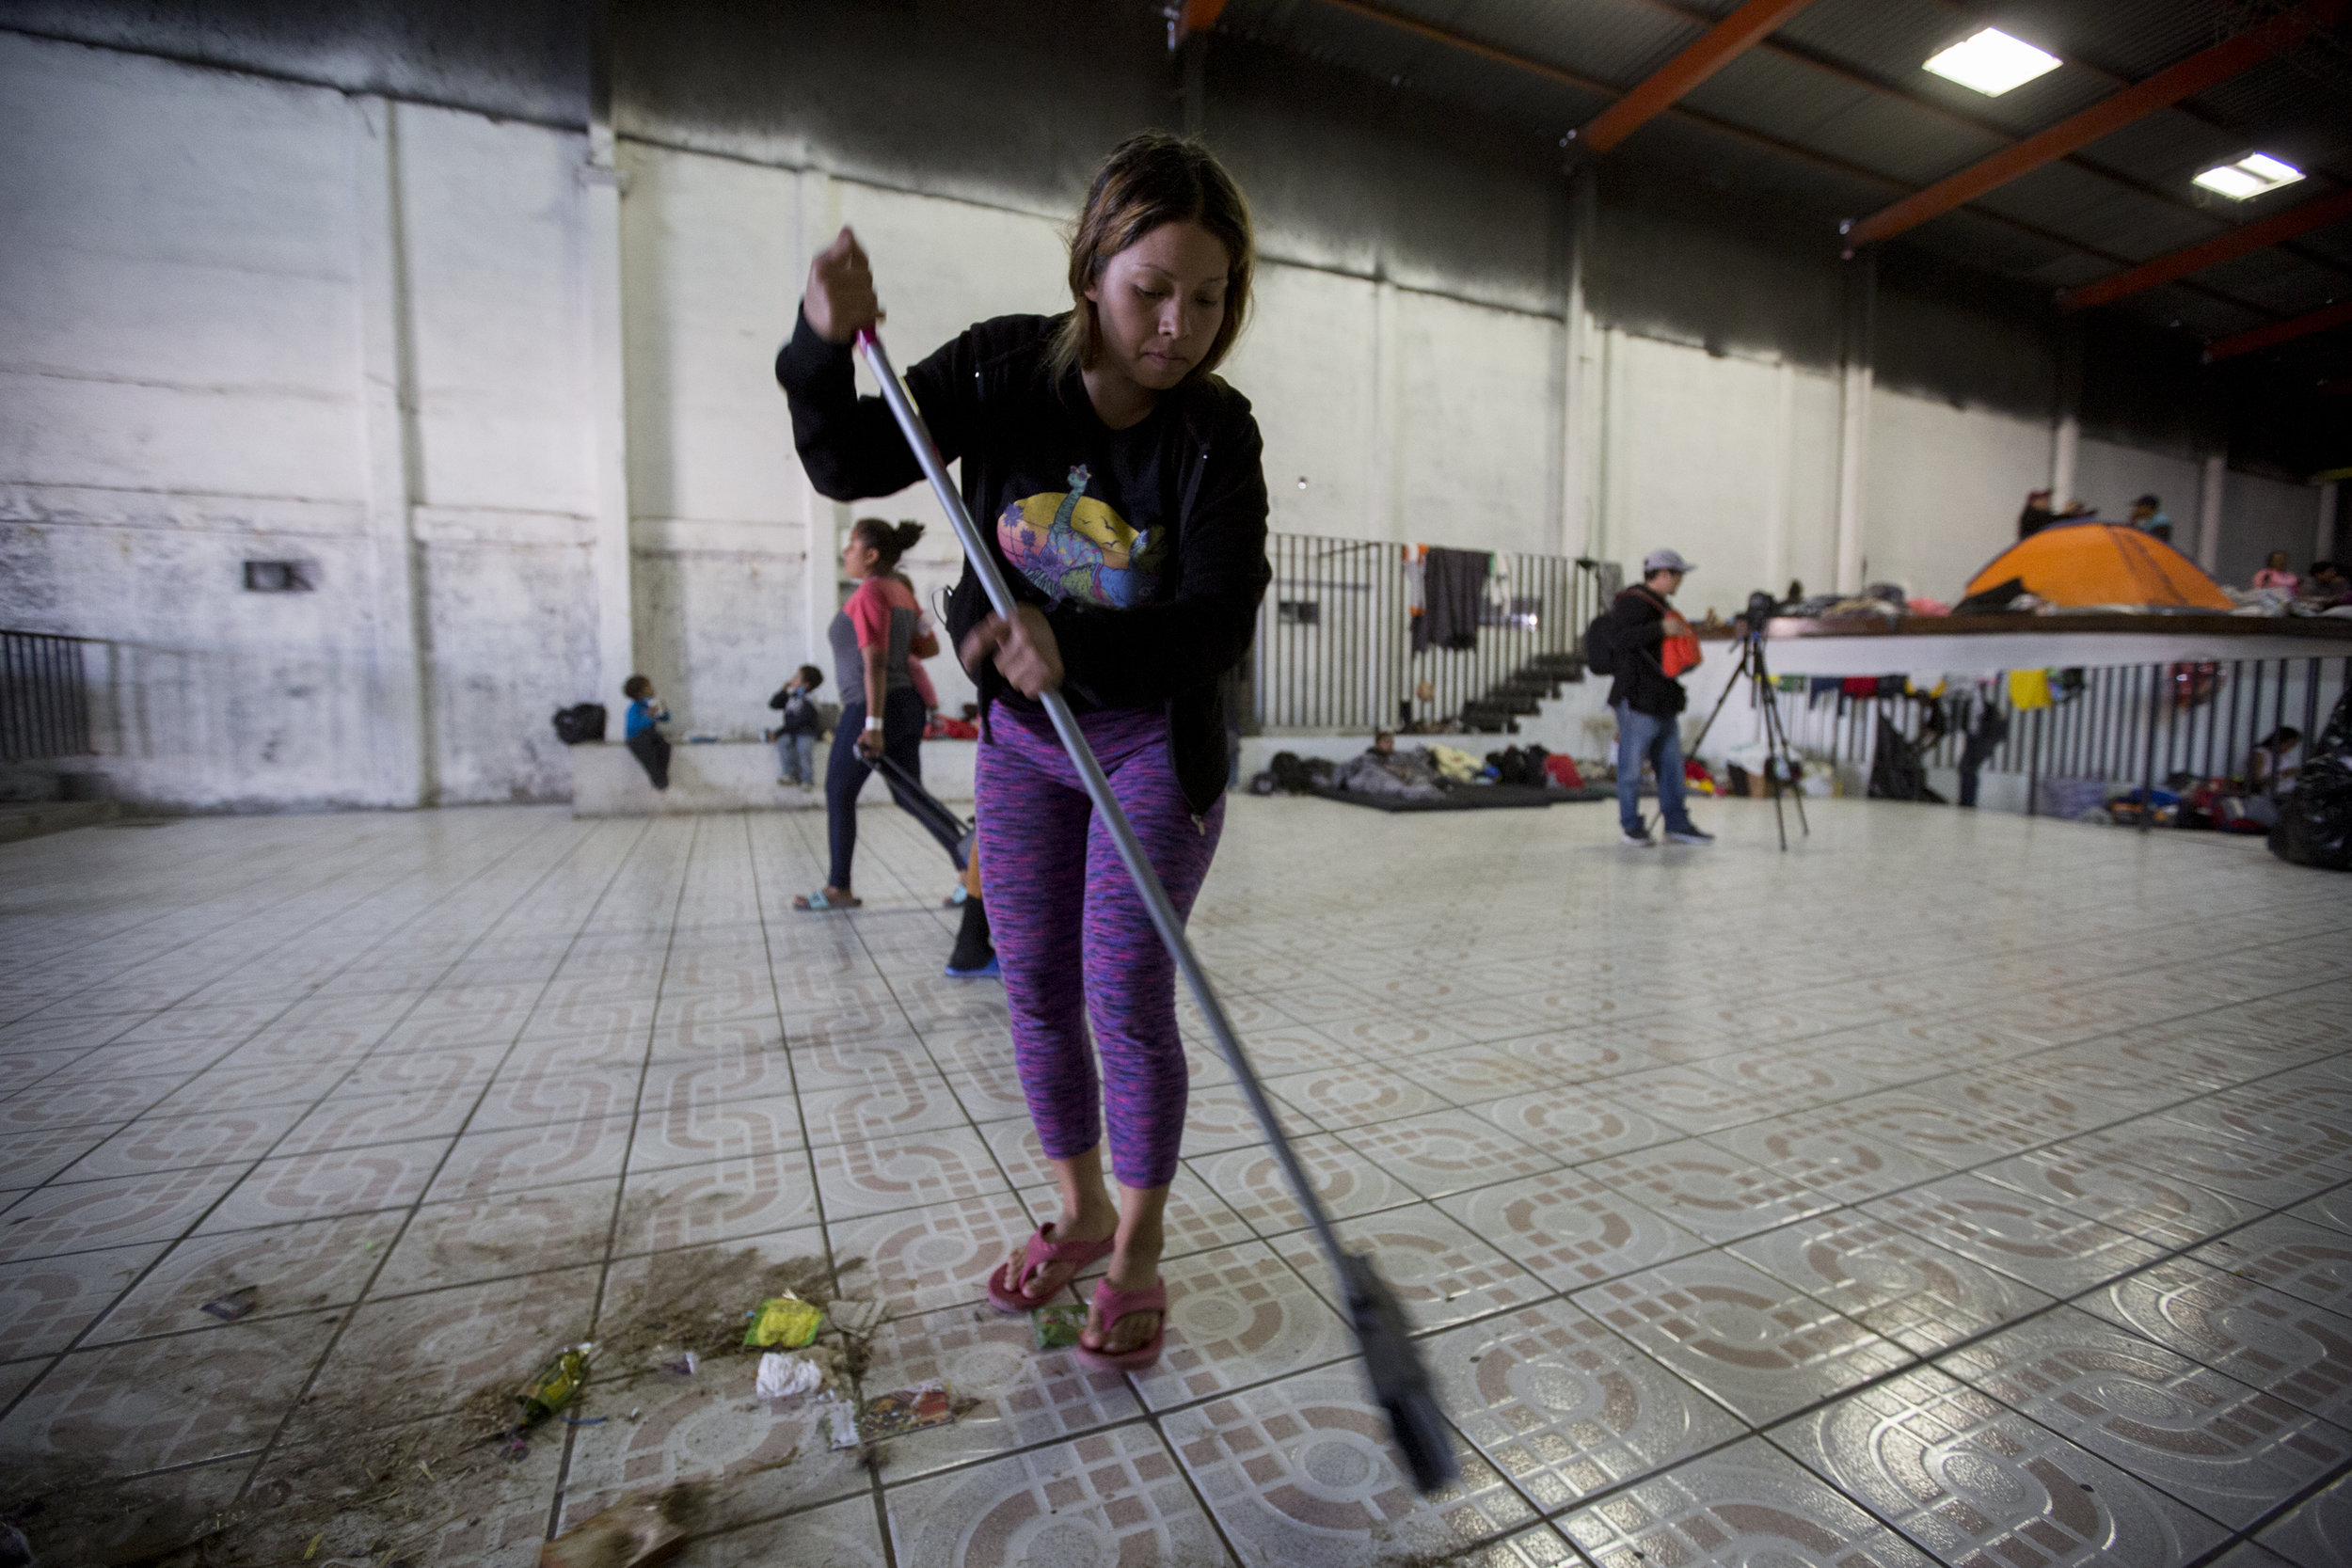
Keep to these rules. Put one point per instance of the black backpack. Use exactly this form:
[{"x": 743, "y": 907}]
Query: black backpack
[
  {"x": 1599, "y": 656},
  {"x": 583, "y": 722}
]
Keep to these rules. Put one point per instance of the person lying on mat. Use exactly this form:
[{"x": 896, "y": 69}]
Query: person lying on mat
[
  {"x": 1129, "y": 508},
  {"x": 876, "y": 635}
]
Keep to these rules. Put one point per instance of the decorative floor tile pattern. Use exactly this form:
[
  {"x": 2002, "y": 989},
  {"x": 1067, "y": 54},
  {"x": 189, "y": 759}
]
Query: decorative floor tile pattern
[
  {"x": 1915, "y": 1294},
  {"x": 2053, "y": 1249},
  {"x": 1564, "y": 1408},
  {"x": 2264, "y": 1337},
  {"x": 437, "y": 1097},
  {"x": 2227, "y": 1449},
  {"x": 1975, "y": 1482},
  {"x": 1301, "y": 1473},
  {"x": 1110, "y": 1498},
  {"x": 2319, "y": 1533},
  {"x": 1570, "y": 1229},
  {"x": 1741, "y": 1505},
  {"x": 1740, "y": 1335}
]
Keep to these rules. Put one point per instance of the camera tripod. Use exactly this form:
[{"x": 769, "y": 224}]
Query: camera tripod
[{"x": 1780, "y": 758}]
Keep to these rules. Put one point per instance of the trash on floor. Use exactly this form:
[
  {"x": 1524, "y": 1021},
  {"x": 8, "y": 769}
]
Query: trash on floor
[
  {"x": 855, "y": 1318},
  {"x": 676, "y": 1362},
  {"x": 841, "y": 1418},
  {"x": 784, "y": 1377},
  {"x": 785, "y": 1320},
  {"x": 894, "y": 1415},
  {"x": 1057, "y": 1327},
  {"x": 636, "y": 1532},
  {"x": 553, "y": 1389},
  {"x": 230, "y": 1307},
  {"x": 817, "y": 1368}
]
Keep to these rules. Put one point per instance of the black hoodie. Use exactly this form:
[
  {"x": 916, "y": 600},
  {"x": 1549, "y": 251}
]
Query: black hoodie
[
  {"x": 1634, "y": 625},
  {"x": 991, "y": 398}
]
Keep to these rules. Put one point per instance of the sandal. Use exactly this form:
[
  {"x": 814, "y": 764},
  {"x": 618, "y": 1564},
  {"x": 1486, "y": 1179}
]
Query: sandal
[
  {"x": 817, "y": 902},
  {"x": 1006, "y": 1295},
  {"x": 1110, "y": 1305}
]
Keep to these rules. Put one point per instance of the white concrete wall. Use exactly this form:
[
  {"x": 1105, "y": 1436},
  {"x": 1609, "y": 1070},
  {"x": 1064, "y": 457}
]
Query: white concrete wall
[
  {"x": 2259, "y": 515},
  {"x": 249, "y": 320},
  {"x": 1944, "y": 487}
]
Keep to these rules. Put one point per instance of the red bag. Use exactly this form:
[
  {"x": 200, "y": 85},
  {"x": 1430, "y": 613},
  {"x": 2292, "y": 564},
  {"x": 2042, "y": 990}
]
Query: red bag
[
  {"x": 1563, "y": 771},
  {"x": 1679, "y": 654}
]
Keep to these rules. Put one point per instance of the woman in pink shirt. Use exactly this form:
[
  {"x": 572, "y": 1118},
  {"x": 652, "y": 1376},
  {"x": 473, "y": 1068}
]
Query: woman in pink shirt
[
  {"x": 2274, "y": 574},
  {"x": 875, "y": 638}
]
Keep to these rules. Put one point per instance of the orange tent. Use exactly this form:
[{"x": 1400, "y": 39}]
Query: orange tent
[{"x": 2080, "y": 565}]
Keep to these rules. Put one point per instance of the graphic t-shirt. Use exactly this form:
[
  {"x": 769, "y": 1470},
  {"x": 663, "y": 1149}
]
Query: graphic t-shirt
[{"x": 1098, "y": 533}]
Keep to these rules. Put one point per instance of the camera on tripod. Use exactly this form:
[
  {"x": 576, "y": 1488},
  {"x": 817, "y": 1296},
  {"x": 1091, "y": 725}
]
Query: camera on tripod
[{"x": 1762, "y": 607}]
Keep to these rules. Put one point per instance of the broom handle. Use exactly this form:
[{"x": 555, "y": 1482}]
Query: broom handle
[{"x": 1073, "y": 740}]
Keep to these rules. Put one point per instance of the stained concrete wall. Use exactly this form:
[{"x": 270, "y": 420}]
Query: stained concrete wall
[{"x": 250, "y": 317}]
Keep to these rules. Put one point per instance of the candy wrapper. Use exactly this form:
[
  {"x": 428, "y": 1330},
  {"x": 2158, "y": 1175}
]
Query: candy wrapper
[
  {"x": 553, "y": 1389},
  {"x": 893, "y": 1414},
  {"x": 1057, "y": 1327},
  {"x": 785, "y": 1320}
]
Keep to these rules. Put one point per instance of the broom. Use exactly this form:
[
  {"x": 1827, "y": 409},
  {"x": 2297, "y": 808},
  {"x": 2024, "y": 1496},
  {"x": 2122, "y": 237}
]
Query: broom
[{"x": 1393, "y": 1365}]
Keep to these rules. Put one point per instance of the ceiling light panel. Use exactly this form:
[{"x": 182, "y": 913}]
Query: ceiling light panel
[
  {"x": 1992, "y": 62},
  {"x": 2250, "y": 176}
]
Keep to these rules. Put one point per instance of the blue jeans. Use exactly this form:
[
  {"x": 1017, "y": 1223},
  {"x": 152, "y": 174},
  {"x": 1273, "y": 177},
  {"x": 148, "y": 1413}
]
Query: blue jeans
[
  {"x": 796, "y": 758},
  {"x": 1641, "y": 735}
]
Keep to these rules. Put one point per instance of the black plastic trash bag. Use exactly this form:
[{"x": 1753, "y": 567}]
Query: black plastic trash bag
[{"x": 2314, "y": 825}]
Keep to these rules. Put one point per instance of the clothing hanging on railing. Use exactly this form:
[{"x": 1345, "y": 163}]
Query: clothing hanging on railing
[{"x": 1453, "y": 586}]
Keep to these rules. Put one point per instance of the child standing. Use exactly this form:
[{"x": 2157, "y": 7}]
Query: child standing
[
  {"x": 797, "y": 730},
  {"x": 642, "y": 730}
]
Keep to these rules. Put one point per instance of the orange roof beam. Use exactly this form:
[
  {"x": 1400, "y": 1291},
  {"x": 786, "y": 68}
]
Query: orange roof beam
[
  {"x": 1666, "y": 86},
  {"x": 2167, "y": 87},
  {"x": 2279, "y": 332},
  {"x": 2195, "y": 257},
  {"x": 1193, "y": 16}
]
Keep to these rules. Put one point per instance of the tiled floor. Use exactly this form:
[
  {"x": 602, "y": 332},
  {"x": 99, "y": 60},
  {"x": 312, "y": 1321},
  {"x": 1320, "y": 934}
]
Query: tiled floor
[{"x": 1954, "y": 1188}]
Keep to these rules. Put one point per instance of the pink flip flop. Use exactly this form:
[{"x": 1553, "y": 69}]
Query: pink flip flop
[
  {"x": 1006, "y": 1295},
  {"x": 1110, "y": 1305}
]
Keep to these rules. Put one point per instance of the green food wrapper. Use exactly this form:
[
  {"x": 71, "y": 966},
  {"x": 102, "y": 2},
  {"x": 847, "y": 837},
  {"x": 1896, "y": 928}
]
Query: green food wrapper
[
  {"x": 553, "y": 1389},
  {"x": 786, "y": 1321},
  {"x": 1057, "y": 1327}
]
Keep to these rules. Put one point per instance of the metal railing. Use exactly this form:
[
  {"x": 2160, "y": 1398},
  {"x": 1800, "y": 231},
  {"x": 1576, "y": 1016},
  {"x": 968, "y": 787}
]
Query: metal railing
[
  {"x": 2128, "y": 725},
  {"x": 1334, "y": 646},
  {"x": 44, "y": 697}
]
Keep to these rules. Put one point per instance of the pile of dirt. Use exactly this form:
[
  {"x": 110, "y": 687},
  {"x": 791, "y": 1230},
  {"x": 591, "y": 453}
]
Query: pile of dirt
[{"x": 338, "y": 1486}]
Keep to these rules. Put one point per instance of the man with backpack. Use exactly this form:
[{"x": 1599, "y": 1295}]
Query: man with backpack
[{"x": 1643, "y": 644}]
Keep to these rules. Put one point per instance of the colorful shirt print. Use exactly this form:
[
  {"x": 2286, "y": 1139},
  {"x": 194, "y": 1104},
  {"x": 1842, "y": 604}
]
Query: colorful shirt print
[{"x": 1073, "y": 546}]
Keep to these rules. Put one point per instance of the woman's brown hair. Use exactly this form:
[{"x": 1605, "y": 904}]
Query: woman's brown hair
[{"x": 1149, "y": 180}]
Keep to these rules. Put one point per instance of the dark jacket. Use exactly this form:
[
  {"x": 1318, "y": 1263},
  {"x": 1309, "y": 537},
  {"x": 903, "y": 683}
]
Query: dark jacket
[
  {"x": 990, "y": 399},
  {"x": 800, "y": 712},
  {"x": 1633, "y": 627}
]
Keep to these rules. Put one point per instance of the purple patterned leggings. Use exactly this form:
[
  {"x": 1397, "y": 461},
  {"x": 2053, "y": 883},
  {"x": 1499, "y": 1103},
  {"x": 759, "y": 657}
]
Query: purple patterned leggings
[{"x": 1074, "y": 939}]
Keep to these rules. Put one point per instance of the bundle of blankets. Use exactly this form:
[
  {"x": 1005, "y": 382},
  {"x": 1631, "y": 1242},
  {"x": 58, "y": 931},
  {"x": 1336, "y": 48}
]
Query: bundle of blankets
[{"x": 1414, "y": 775}]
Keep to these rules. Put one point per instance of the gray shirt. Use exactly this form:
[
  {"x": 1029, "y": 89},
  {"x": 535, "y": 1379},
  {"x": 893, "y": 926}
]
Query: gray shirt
[{"x": 887, "y": 609}]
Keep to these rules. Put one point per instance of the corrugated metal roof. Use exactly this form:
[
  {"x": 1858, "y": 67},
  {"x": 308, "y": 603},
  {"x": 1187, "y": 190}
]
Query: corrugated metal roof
[{"x": 1835, "y": 116}]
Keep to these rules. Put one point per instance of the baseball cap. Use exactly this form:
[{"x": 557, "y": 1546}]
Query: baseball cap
[{"x": 1664, "y": 560}]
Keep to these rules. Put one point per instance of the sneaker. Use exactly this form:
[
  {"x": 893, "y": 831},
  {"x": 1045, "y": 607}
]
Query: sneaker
[
  {"x": 1689, "y": 835},
  {"x": 988, "y": 971},
  {"x": 1638, "y": 835}
]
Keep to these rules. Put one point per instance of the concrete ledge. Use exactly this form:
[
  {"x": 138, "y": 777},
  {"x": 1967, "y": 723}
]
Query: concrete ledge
[
  {"x": 735, "y": 775},
  {"x": 41, "y": 817}
]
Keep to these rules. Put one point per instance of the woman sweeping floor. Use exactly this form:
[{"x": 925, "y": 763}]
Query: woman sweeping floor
[{"x": 1129, "y": 507}]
